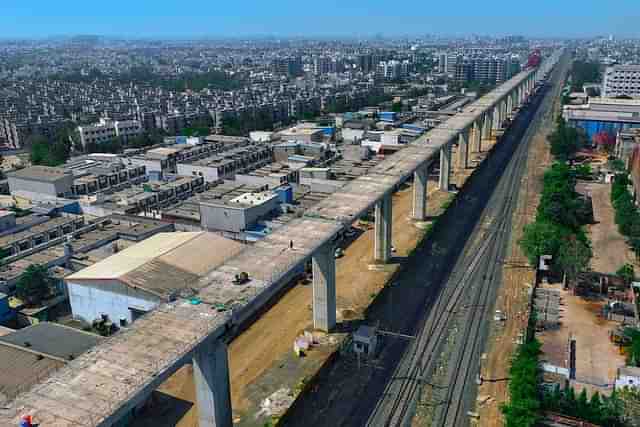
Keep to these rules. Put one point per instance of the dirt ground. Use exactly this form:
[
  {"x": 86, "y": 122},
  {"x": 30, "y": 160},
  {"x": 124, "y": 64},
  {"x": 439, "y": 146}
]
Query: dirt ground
[
  {"x": 269, "y": 340},
  {"x": 610, "y": 249},
  {"x": 597, "y": 359},
  {"x": 517, "y": 278}
]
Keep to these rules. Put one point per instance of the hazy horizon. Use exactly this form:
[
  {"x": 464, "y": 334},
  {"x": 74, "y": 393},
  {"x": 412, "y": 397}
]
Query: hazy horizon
[{"x": 330, "y": 18}]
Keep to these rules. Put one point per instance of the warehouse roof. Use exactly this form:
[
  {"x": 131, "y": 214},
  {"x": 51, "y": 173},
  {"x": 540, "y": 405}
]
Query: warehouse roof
[{"x": 164, "y": 263}]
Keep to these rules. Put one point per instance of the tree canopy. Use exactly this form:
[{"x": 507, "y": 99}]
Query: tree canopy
[
  {"x": 34, "y": 284},
  {"x": 565, "y": 140},
  {"x": 524, "y": 402},
  {"x": 627, "y": 216},
  {"x": 584, "y": 72},
  {"x": 557, "y": 230},
  {"x": 50, "y": 153}
]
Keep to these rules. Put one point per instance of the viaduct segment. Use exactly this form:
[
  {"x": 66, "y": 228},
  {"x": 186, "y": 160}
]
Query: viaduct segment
[{"x": 104, "y": 385}]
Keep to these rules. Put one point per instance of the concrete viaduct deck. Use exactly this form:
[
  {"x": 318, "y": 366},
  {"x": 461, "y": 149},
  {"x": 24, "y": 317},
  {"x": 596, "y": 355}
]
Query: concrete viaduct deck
[{"x": 103, "y": 386}]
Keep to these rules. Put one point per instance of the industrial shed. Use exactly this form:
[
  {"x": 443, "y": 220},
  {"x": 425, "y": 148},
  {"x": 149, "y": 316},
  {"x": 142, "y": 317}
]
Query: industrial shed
[{"x": 134, "y": 281}]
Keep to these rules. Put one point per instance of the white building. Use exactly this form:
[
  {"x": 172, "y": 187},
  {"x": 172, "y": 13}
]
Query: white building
[
  {"x": 107, "y": 130},
  {"x": 621, "y": 80},
  {"x": 628, "y": 376},
  {"x": 132, "y": 282},
  {"x": 237, "y": 215}
]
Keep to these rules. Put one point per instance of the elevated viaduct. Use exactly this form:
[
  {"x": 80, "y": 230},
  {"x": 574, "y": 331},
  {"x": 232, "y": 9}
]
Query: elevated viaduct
[{"x": 103, "y": 386}]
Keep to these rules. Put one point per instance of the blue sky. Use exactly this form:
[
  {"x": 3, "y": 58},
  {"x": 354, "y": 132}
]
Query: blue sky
[{"x": 145, "y": 18}]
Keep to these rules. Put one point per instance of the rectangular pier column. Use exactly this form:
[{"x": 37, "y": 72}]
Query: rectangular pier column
[
  {"x": 488, "y": 125},
  {"x": 324, "y": 288},
  {"x": 384, "y": 217},
  {"x": 496, "y": 117},
  {"x": 445, "y": 166},
  {"x": 463, "y": 149},
  {"x": 420, "y": 193},
  {"x": 520, "y": 95},
  {"x": 211, "y": 377},
  {"x": 477, "y": 135}
]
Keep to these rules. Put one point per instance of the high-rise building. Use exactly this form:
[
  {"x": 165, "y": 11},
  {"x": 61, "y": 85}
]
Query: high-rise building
[
  {"x": 365, "y": 63},
  {"x": 321, "y": 65},
  {"x": 442, "y": 62},
  {"x": 289, "y": 66}
]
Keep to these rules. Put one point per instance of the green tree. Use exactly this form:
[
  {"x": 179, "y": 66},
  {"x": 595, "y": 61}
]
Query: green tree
[
  {"x": 595, "y": 408},
  {"x": 34, "y": 284},
  {"x": 542, "y": 238},
  {"x": 565, "y": 140},
  {"x": 574, "y": 255},
  {"x": 582, "y": 406},
  {"x": 524, "y": 403},
  {"x": 626, "y": 273},
  {"x": 569, "y": 403},
  {"x": 39, "y": 154}
]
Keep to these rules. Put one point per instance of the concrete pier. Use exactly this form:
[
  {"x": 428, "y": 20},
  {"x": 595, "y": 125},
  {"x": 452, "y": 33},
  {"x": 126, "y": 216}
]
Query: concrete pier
[
  {"x": 496, "y": 117},
  {"x": 488, "y": 125},
  {"x": 324, "y": 288},
  {"x": 420, "y": 193},
  {"x": 211, "y": 377},
  {"x": 463, "y": 149},
  {"x": 384, "y": 217},
  {"x": 478, "y": 127},
  {"x": 445, "y": 167}
]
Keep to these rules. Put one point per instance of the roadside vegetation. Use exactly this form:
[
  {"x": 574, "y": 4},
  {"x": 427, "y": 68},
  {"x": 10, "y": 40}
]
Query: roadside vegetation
[
  {"x": 627, "y": 216},
  {"x": 583, "y": 72},
  {"x": 558, "y": 229},
  {"x": 565, "y": 141},
  {"x": 523, "y": 408},
  {"x": 600, "y": 410}
]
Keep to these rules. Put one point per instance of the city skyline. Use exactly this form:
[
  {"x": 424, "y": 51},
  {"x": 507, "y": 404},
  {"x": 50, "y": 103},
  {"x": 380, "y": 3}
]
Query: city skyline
[{"x": 286, "y": 18}]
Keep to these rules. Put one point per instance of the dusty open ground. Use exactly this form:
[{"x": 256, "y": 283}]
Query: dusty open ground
[
  {"x": 597, "y": 359},
  {"x": 260, "y": 353},
  {"x": 610, "y": 249}
]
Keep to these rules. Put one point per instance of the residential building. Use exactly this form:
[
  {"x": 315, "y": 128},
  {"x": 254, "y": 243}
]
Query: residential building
[
  {"x": 107, "y": 130},
  {"x": 621, "y": 80}
]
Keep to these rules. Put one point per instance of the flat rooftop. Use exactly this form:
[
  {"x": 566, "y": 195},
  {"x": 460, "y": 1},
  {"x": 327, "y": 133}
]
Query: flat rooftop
[
  {"x": 40, "y": 173},
  {"x": 53, "y": 339}
]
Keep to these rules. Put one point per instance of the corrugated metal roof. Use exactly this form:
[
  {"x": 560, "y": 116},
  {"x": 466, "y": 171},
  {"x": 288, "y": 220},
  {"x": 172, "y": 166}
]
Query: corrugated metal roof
[
  {"x": 131, "y": 258},
  {"x": 165, "y": 263}
]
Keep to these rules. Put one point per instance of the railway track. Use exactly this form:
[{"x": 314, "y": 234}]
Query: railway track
[{"x": 465, "y": 301}]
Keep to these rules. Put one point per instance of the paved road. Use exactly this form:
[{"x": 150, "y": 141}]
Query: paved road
[{"x": 454, "y": 286}]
